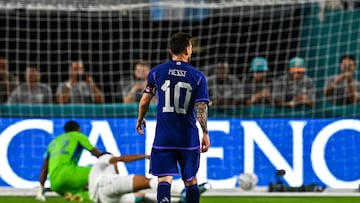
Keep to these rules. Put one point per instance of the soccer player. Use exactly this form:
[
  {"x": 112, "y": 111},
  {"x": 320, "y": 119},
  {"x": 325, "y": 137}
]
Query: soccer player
[
  {"x": 106, "y": 185},
  {"x": 66, "y": 177},
  {"x": 182, "y": 97}
]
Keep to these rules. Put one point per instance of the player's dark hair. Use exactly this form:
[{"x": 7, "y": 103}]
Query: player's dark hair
[
  {"x": 347, "y": 56},
  {"x": 71, "y": 126},
  {"x": 179, "y": 42}
]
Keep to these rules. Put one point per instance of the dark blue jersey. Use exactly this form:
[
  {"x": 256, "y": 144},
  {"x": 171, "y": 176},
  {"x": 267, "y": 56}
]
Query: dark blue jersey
[{"x": 179, "y": 86}]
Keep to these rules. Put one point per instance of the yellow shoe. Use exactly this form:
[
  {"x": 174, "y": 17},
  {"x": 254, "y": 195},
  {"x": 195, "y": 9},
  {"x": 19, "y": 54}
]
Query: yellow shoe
[
  {"x": 68, "y": 196},
  {"x": 76, "y": 198},
  {"x": 73, "y": 198}
]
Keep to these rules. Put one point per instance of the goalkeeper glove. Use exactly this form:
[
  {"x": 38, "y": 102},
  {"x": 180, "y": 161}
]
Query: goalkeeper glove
[{"x": 40, "y": 195}]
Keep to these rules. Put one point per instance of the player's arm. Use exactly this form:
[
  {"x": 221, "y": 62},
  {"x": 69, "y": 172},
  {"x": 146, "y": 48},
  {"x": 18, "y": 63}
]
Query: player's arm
[
  {"x": 129, "y": 158},
  {"x": 84, "y": 141},
  {"x": 96, "y": 152},
  {"x": 44, "y": 172},
  {"x": 143, "y": 108},
  {"x": 202, "y": 116},
  {"x": 43, "y": 176}
]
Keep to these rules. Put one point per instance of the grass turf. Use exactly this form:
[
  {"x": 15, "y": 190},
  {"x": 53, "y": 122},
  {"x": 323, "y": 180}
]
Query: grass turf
[
  {"x": 280, "y": 199},
  {"x": 31, "y": 199},
  {"x": 211, "y": 199}
]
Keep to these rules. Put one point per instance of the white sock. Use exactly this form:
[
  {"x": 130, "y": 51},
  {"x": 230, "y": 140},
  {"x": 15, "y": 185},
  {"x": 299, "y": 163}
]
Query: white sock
[
  {"x": 177, "y": 187},
  {"x": 153, "y": 183}
]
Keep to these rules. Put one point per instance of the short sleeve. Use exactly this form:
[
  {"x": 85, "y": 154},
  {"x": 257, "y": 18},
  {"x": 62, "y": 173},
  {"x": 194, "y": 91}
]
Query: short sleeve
[
  {"x": 150, "y": 86},
  {"x": 202, "y": 94},
  {"x": 84, "y": 141}
]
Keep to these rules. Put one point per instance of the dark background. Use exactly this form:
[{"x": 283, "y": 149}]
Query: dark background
[{"x": 108, "y": 42}]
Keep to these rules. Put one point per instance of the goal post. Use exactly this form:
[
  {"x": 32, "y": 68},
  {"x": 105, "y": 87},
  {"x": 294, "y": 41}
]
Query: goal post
[{"x": 108, "y": 36}]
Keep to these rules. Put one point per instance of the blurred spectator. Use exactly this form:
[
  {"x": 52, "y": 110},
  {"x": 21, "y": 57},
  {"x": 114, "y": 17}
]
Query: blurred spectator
[
  {"x": 343, "y": 88},
  {"x": 224, "y": 88},
  {"x": 32, "y": 91},
  {"x": 8, "y": 81},
  {"x": 324, "y": 5},
  {"x": 350, "y": 4},
  {"x": 130, "y": 90},
  {"x": 294, "y": 88},
  {"x": 256, "y": 88},
  {"x": 80, "y": 88}
]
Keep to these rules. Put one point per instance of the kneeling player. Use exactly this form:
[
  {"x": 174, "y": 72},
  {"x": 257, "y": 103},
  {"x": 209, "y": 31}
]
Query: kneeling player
[{"x": 107, "y": 186}]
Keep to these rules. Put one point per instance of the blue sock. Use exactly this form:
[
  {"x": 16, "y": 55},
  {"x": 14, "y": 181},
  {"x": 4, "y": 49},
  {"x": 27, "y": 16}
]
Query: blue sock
[
  {"x": 192, "y": 194},
  {"x": 163, "y": 192}
]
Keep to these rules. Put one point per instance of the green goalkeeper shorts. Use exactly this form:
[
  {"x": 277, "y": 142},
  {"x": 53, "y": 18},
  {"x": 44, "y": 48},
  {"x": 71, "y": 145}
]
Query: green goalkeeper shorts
[{"x": 69, "y": 178}]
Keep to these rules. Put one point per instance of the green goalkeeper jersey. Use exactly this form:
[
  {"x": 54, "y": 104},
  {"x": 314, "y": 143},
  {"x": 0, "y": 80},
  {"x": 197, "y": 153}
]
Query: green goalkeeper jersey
[{"x": 66, "y": 150}]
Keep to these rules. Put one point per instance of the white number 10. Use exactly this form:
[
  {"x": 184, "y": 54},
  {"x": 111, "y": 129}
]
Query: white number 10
[{"x": 176, "y": 99}]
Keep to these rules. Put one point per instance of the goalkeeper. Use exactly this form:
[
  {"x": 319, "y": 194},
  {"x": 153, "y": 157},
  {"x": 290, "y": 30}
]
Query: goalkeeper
[{"x": 66, "y": 177}]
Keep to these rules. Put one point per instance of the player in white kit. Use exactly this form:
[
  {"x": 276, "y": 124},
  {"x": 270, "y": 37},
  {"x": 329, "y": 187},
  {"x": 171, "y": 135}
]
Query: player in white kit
[{"x": 107, "y": 186}]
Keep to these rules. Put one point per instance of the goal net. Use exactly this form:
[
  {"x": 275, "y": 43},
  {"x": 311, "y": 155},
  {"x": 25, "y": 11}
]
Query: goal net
[{"x": 110, "y": 36}]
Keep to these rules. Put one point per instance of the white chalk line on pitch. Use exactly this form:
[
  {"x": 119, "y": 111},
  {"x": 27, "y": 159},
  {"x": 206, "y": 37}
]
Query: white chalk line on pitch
[{"x": 259, "y": 191}]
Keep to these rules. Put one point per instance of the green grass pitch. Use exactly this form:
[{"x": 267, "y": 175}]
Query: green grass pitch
[{"x": 212, "y": 199}]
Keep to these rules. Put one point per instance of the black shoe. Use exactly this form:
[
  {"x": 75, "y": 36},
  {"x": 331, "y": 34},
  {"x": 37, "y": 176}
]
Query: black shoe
[
  {"x": 203, "y": 187},
  {"x": 183, "y": 196}
]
